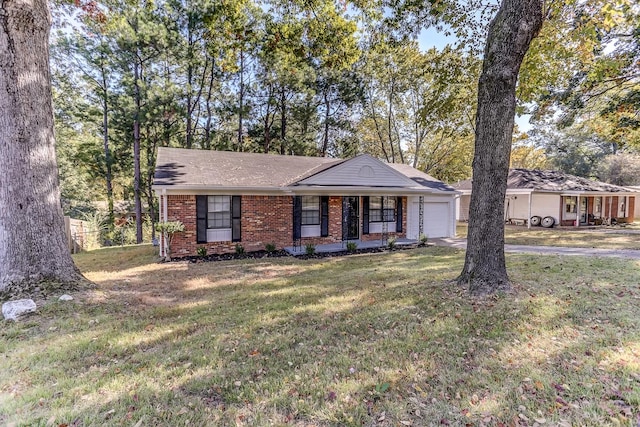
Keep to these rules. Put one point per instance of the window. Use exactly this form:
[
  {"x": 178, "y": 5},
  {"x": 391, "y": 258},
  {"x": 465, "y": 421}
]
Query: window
[
  {"x": 310, "y": 210},
  {"x": 219, "y": 212},
  {"x": 382, "y": 209},
  {"x": 597, "y": 206},
  {"x": 570, "y": 204}
]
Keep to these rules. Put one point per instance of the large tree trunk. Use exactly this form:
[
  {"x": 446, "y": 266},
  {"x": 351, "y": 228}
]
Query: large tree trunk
[
  {"x": 32, "y": 240},
  {"x": 136, "y": 149},
  {"x": 510, "y": 33},
  {"x": 105, "y": 143}
]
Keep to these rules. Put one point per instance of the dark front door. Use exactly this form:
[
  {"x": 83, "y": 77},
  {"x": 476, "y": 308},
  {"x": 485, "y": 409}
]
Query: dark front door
[{"x": 350, "y": 218}]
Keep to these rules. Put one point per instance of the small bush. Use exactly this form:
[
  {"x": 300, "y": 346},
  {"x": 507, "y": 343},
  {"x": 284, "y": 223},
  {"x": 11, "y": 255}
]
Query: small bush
[
  {"x": 270, "y": 247},
  {"x": 201, "y": 251},
  {"x": 352, "y": 246},
  {"x": 422, "y": 239},
  {"x": 310, "y": 249},
  {"x": 168, "y": 230},
  {"x": 239, "y": 249},
  {"x": 391, "y": 242}
]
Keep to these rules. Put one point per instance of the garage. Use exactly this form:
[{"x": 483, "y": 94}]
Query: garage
[{"x": 437, "y": 219}]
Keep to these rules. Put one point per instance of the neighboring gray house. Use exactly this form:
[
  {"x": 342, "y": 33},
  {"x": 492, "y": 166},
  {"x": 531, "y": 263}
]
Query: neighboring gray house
[{"x": 536, "y": 197}]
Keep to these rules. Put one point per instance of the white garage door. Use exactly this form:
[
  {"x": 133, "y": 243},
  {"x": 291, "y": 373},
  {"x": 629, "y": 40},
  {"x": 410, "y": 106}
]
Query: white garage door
[{"x": 436, "y": 219}]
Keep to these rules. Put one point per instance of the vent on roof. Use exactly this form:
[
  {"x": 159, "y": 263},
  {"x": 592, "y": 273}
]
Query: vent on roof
[{"x": 366, "y": 171}]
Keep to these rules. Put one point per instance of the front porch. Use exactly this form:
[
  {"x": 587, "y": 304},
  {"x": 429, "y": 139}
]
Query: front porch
[{"x": 342, "y": 246}]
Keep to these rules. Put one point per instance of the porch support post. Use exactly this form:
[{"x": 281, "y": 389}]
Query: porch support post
[
  {"x": 420, "y": 215},
  {"x": 164, "y": 209},
  {"x": 529, "y": 217},
  {"x": 578, "y": 211}
]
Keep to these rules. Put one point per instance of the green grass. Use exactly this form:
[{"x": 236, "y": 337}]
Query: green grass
[
  {"x": 385, "y": 339},
  {"x": 604, "y": 237}
]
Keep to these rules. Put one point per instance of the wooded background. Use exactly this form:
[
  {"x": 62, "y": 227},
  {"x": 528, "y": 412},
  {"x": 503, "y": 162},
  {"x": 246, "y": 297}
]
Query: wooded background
[{"x": 326, "y": 78}]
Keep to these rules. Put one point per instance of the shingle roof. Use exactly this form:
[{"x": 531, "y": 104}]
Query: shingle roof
[
  {"x": 420, "y": 177},
  {"x": 179, "y": 166},
  {"x": 552, "y": 181},
  {"x": 205, "y": 168}
]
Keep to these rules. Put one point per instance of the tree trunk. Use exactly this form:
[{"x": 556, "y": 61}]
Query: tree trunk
[
  {"x": 105, "y": 143},
  {"x": 136, "y": 150},
  {"x": 283, "y": 122},
  {"x": 241, "y": 100},
  {"x": 33, "y": 245},
  {"x": 325, "y": 136},
  {"x": 510, "y": 34}
]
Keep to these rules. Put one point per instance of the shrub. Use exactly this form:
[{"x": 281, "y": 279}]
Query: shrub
[
  {"x": 168, "y": 229},
  {"x": 239, "y": 249},
  {"x": 352, "y": 246},
  {"x": 98, "y": 228},
  {"x": 391, "y": 242},
  {"x": 422, "y": 239},
  {"x": 201, "y": 251},
  {"x": 270, "y": 247},
  {"x": 310, "y": 249}
]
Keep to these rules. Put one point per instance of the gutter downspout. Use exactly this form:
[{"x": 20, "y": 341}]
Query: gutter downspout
[{"x": 164, "y": 209}]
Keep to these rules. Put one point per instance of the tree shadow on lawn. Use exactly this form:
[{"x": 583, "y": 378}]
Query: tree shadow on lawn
[{"x": 378, "y": 341}]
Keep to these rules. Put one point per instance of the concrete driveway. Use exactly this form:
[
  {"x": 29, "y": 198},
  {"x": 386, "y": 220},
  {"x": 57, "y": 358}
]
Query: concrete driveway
[{"x": 547, "y": 250}]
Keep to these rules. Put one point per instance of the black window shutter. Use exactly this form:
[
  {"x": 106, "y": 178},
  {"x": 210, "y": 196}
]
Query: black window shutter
[
  {"x": 399, "y": 214},
  {"x": 365, "y": 215},
  {"x": 201, "y": 219},
  {"x": 324, "y": 216},
  {"x": 297, "y": 217},
  {"x": 236, "y": 203}
]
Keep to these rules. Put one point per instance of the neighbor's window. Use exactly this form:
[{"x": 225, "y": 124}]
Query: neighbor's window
[
  {"x": 219, "y": 212},
  {"x": 597, "y": 206},
  {"x": 382, "y": 209},
  {"x": 310, "y": 210},
  {"x": 570, "y": 203}
]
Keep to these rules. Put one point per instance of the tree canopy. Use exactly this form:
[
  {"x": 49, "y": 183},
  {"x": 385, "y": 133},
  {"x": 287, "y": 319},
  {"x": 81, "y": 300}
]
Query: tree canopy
[{"x": 323, "y": 78}]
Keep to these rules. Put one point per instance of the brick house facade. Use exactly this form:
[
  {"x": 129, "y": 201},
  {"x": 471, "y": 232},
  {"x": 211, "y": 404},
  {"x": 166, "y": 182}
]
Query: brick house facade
[
  {"x": 226, "y": 200},
  {"x": 265, "y": 220}
]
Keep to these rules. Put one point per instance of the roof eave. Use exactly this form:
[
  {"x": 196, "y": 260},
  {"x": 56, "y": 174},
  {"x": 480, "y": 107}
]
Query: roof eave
[{"x": 298, "y": 189}]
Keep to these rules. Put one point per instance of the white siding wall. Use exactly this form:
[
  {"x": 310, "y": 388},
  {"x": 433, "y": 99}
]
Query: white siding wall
[
  {"x": 360, "y": 171},
  {"x": 541, "y": 205},
  {"x": 462, "y": 208}
]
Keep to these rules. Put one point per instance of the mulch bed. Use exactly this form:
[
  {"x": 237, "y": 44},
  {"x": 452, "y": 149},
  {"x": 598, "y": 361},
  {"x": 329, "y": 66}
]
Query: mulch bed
[{"x": 283, "y": 253}]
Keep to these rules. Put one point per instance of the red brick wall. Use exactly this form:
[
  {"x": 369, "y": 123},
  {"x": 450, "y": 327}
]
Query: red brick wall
[
  {"x": 183, "y": 208},
  {"x": 631, "y": 209},
  {"x": 265, "y": 219}
]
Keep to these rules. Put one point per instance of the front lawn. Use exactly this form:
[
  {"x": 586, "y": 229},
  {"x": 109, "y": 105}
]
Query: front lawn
[
  {"x": 619, "y": 237},
  {"x": 385, "y": 339}
]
